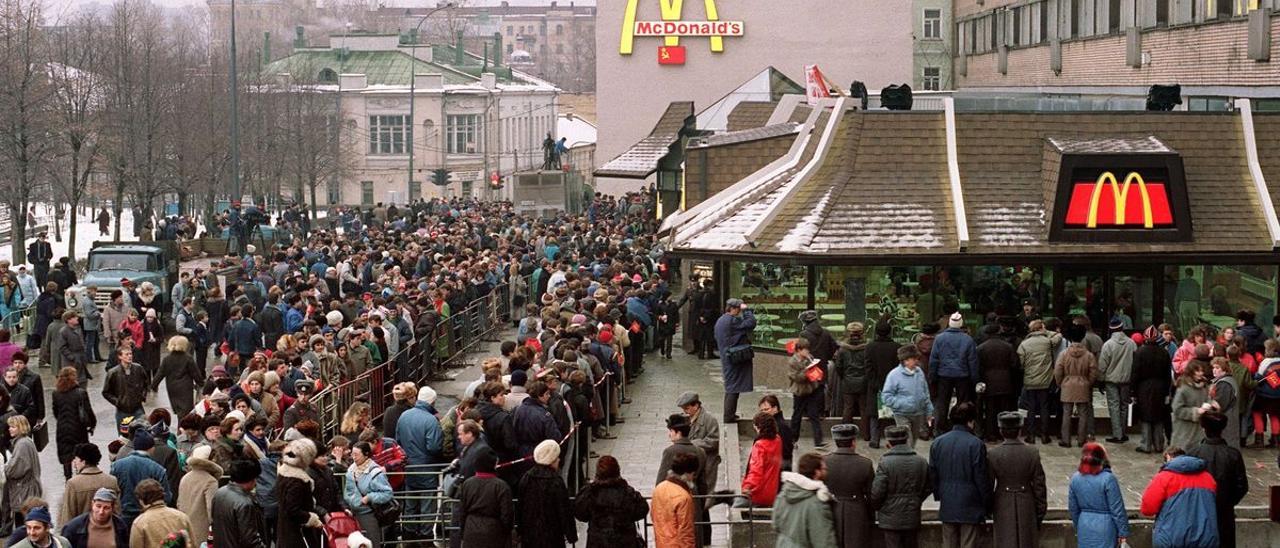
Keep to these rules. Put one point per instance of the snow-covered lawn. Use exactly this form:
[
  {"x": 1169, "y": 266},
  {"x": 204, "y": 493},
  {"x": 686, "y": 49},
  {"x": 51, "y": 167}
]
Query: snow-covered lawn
[{"x": 86, "y": 234}]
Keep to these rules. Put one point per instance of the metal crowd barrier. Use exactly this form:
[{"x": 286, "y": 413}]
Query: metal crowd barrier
[{"x": 419, "y": 361}]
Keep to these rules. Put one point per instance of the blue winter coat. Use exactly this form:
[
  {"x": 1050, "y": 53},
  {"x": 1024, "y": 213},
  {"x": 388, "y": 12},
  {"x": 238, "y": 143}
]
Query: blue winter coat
[
  {"x": 907, "y": 393},
  {"x": 734, "y": 331},
  {"x": 418, "y": 433},
  {"x": 532, "y": 424},
  {"x": 954, "y": 355},
  {"x": 245, "y": 337},
  {"x": 639, "y": 311},
  {"x": 958, "y": 466},
  {"x": 130, "y": 470},
  {"x": 1097, "y": 509}
]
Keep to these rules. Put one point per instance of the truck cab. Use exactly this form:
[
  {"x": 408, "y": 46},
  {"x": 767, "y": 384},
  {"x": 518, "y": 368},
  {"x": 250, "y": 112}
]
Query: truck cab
[{"x": 109, "y": 262}]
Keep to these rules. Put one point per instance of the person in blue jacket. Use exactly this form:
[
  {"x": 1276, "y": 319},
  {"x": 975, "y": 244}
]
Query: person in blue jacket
[
  {"x": 961, "y": 484},
  {"x": 367, "y": 485},
  {"x": 953, "y": 369},
  {"x": 1095, "y": 501},
  {"x": 733, "y": 334},
  {"x": 418, "y": 433}
]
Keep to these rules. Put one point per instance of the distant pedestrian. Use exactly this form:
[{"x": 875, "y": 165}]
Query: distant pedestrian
[
  {"x": 961, "y": 485},
  {"x": 22, "y": 469},
  {"x": 1152, "y": 384},
  {"x": 1095, "y": 501},
  {"x": 1020, "y": 499},
  {"x": 899, "y": 489},
  {"x": 73, "y": 417},
  {"x": 953, "y": 368},
  {"x": 1224, "y": 393},
  {"x": 1115, "y": 369},
  {"x": 1189, "y": 399},
  {"x": 805, "y": 374},
  {"x": 849, "y": 479},
  {"x": 1075, "y": 372},
  {"x": 733, "y": 340},
  {"x": 1036, "y": 353},
  {"x": 906, "y": 394},
  {"x": 802, "y": 514},
  {"x": 764, "y": 464},
  {"x": 104, "y": 222},
  {"x": 1181, "y": 497},
  {"x": 158, "y": 523}
]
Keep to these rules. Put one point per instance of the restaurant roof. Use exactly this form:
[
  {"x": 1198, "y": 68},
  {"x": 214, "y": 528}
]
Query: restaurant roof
[
  {"x": 881, "y": 184},
  {"x": 642, "y": 158}
]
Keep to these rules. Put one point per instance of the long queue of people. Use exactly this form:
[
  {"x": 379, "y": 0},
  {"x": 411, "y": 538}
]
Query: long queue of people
[
  {"x": 256, "y": 338},
  {"x": 1191, "y": 401}
]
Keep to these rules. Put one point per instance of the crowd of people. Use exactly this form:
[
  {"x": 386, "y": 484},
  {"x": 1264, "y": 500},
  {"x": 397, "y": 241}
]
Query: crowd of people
[
  {"x": 1198, "y": 402},
  {"x": 244, "y": 348}
]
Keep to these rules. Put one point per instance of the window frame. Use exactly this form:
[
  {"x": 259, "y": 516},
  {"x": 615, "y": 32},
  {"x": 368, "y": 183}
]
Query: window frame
[
  {"x": 926, "y": 78},
  {"x": 932, "y": 26},
  {"x": 388, "y": 138},
  {"x": 462, "y": 126}
]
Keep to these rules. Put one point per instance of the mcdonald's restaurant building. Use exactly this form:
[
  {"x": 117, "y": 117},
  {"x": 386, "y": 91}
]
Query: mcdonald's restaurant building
[{"x": 1148, "y": 216}]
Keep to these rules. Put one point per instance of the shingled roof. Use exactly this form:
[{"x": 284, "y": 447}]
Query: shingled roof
[
  {"x": 642, "y": 158},
  {"x": 884, "y": 186}
]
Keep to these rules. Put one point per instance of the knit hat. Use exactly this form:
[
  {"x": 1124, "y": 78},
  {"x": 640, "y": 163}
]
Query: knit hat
[
  {"x": 143, "y": 441},
  {"x": 219, "y": 371},
  {"x": 427, "y": 394},
  {"x": 237, "y": 415},
  {"x": 855, "y": 329},
  {"x": 956, "y": 322},
  {"x": 1138, "y": 338},
  {"x": 151, "y": 312},
  {"x": 1151, "y": 334},
  {"x": 546, "y": 452},
  {"x": 317, "y": 338},
  {"x": 40, "y": 514},
  {"x": 334, "y": 318},
  {"x": 299, "y": 453},
  {"x": 578, "y": 319},
  {"x": 519, "y": 377},
  {"x": 105, "y": 495},
  {"x": 605, "y": 337}
]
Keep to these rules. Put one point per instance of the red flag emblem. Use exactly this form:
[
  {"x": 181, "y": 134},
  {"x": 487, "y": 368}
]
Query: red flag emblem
[{"x": 670, "y": 55}]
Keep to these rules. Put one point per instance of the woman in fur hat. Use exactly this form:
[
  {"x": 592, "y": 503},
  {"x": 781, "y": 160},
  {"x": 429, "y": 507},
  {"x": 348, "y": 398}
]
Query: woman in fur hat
[{"x": 298, "y": 523}]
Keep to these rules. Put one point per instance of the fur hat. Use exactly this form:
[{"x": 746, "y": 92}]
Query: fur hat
[
  {"x": 299, "y": 453},
  {"x": 269, "y": 379},
  {"x": 257, "y": 376},
  {"x": 546, "y": 452}
]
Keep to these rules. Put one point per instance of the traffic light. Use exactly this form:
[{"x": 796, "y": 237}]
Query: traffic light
[{"x": 440, "y": 177}]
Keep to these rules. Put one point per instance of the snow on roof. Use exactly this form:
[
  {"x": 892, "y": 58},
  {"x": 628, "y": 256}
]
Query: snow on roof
[{"x": 575, "y": 130}]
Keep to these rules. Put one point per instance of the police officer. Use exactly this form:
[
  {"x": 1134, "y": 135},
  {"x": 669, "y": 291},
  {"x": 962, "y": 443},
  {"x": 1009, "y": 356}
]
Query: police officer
[
  {"x": 1020, "y": 495},
  {"x": 849, "y": 478}
]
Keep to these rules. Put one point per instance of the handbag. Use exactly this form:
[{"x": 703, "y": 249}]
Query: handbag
[
  {"x": 40, "y": 435},
  {"x": 741, "y": 354},
  {"x": 387, "y": 513},
  {"x": 450, "y": 484}
]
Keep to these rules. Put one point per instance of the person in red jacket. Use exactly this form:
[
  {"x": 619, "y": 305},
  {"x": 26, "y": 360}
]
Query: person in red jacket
[
  {"x": 764, "y": 466},
  {"x": 1182, "y": 499}
]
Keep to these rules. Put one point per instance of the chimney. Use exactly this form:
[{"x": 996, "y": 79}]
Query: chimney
[
  {"x": 429, "y": 81},
  {"x": 497, "y": 50},
  {"x": 458, "y": 58},
  {"x": 266, "y": 47},
  {"x": 299, "y": 37},
  {"x": 489, "y": 80},
  {"x": 353, "y": 81}
]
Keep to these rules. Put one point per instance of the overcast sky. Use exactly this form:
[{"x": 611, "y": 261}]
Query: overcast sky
[{"x": 405, "y": 3}]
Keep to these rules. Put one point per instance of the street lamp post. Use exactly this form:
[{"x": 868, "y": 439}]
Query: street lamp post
[
  {"x": 235, "y": 114},
  {"x": 413, "y": 86}
]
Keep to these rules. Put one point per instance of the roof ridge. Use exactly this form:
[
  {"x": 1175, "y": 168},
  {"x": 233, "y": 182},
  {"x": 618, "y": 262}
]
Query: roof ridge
[{"x": 822, "y": 210}]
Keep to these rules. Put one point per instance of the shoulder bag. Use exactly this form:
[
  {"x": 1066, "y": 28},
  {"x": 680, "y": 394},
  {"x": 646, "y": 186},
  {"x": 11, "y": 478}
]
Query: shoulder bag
[{"x": 387, "y": 513}]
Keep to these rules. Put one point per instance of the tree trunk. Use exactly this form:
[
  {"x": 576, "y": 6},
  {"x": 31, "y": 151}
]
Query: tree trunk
[
  {"x": 313, "y": 200},
  {"x": 18, "y": 233},
  {"x": 71, "y": 232},
  {"x": 118, "y": 206}
]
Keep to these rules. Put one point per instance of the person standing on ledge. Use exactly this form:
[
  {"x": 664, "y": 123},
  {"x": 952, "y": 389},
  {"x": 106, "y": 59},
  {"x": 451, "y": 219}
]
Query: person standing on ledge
[{"x": 733, "y": 340}]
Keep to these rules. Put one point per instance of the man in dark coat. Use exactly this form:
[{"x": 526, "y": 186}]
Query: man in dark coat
[
  {"x": 1019, "y": 496},
  {"x": 104, "y": 222},
  {"x": 733, "y": 338},
  {"x": 235, "y": 513},
  {"x": 484, "y": 513},
  {"x": 899, "y": 489},
  {"x": 1152, "y": 383},
  {"x": 882, "y": 358},
  {"x": 958, "y": 466},
  {"x": 48, "y": 301},
  {"x": 997, "y": 360},
  {"x": 1226, "y": 466},
  {"x": 678, "y": 433},
  {"x": 823, "y": 347},
  {"x": 705, "y": 309},
  {"x": 849, "y": 478},
  {"x": 39, "y": 253},
  {"x": 532, "y": 423}
]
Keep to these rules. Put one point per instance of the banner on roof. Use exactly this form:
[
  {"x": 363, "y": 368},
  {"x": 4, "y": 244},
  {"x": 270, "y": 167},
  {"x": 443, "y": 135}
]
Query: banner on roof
[{"x": 816, "y": 86}]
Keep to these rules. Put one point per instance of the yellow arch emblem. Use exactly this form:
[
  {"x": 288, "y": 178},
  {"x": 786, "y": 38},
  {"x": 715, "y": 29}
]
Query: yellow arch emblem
[
  {"x": 672, "y": 10},
  {"x": 1121, "y": 195}
]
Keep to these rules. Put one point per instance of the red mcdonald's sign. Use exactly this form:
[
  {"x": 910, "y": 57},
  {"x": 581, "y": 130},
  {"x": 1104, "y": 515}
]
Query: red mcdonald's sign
[{"x": 1108, "y": 203}]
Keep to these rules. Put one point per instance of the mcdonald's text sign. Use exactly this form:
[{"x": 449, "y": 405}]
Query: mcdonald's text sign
[
  {"x": 1121, "y": 198},
  {"x": 672, "y": 26}
]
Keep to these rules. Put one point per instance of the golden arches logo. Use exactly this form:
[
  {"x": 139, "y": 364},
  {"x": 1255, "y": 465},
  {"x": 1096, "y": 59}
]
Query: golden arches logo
[
  {"x": 673, "y": 10},
  {"x": 1120, "y": 192}
]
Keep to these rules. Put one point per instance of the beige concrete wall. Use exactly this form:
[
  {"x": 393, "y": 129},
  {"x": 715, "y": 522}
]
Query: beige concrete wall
[{"x": 867, "y": 40}]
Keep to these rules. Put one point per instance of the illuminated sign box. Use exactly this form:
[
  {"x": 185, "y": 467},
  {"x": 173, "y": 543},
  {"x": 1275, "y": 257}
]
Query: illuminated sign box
[{"x": 1138, "y": 197}]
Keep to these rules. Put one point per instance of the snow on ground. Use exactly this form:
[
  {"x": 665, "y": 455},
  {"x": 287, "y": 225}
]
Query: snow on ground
[{"x": 86, "y": 234}]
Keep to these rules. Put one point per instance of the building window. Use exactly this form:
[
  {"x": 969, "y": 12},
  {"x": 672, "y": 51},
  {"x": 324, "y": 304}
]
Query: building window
[
  {"x": 933, "y": 24},
  {"x": 1209, "y": 104},
  {"x": 932, "y": 80},
  {"x": 559, "y": 30},
  {"x": 1212, "y": 294},
  {"x": 509, "y": 30},
  {"x": 389, "y": 134},
  {"x": 334, "y": 192},
  {"x": 778, "y": 293},
  {"x": 462, "y": 132},
  {"x": 1075, "y": 18},
  {"x": 1016, "y": 39},
  {"x": 366, "y": 193},
  {"x": 1043, "y": 32},
  {"x": 1113, "y": 17}
]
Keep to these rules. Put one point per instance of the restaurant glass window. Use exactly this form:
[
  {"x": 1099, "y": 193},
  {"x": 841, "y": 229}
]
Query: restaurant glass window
[
  {"x": 1213, "y": 294},
  {"x": 995, "y": 293},
  {"x": 778, "y": 293},
  {"x": 868, "y": 294}
]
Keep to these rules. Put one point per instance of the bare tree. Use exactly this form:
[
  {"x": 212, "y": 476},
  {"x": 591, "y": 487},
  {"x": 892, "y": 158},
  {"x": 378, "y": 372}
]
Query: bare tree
[
  {"x": 26, "y": 141},
  {"x": 317, "y": 148},
  {"x": 77, "y": 104}
]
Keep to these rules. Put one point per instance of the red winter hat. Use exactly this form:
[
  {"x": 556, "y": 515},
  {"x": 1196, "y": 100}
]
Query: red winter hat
[{"x": 605, "y": 337}]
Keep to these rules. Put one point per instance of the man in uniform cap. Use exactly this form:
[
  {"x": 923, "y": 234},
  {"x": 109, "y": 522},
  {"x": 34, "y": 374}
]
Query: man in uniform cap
[
  {"x": 678, "y": 434},
  {"x": 302, "y": 408},
  {"x": 733, "y": 340},
  {"x": 1020, "y": 495},
  {"x": 849, "y": 477}
]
